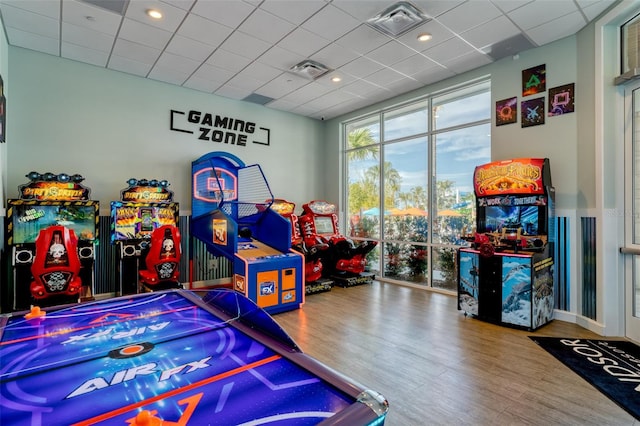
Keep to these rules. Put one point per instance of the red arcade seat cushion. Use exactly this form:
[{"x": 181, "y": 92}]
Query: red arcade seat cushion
[{"x": 163, "y": 259}]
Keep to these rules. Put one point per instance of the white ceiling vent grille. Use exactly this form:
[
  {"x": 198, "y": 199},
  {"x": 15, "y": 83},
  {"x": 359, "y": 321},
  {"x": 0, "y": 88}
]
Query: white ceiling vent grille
[
  {"x": 310, "y": 69},
  {"x": 398, "y": 18}
]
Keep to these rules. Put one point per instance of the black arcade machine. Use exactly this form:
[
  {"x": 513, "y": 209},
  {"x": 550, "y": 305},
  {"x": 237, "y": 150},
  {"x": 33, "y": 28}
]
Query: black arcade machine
[
  {"x": 507, "y": 275},
  {"x": 145, "y": 207},
  {"x": 52, "y": 230}
]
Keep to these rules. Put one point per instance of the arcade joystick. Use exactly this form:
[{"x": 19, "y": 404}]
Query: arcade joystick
[
  {"x": 36, "y": 312},
  {"x": 145, "y": 418}
]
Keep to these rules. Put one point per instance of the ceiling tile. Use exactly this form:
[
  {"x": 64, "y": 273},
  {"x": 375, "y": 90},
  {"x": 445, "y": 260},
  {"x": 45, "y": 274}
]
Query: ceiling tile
[
  {"x": 391, "y": 53},
  {"x": 281, "y": 58},
  {"x": 228, "y": 60},
  {"x": 82, "y": 36},
  {"x": 414, "y": 64},
  {"x": 230, "y": 13},
  {"x": 439, "y": 34},
  {"x": 435, "y": 8},
  {"x": 172, "y": 16},
  {"x": 537, "y": 13},
  {"x": 83, "y": 54},
  {"x": 340, "y": 23},
  {"x": 468, "y": 15},
  {"x": 303, "y": 42},
  {"x": 33, "y": 41},
  {"x": 168, "y": 75},
  {"x": 361, "y": 67},
  {"x": 203, "y": 30},
  {"x": 144, "y": 34},
  {"x": 49, "y": 8},
  {"x": 24, "y": 20},
  {"x": 363, "y": 39},
  {"x": 556, "y": 29},
  {"x": 189, "y": 48},
  {"x": 362, "y": 10},
  {"x": 213, "y": 73},
  {"x": 182, "y": 4},
  {"x": 245, "y": 82},
  {"x": 509, "y": 5},
  {"x": 129, "y": 66},
  {"x": 335, "y": 56},
  {"x": 491, "y": 32},
  {"x": 201, "y": 84},
  {"x": 136, "y": 52},
  {"x": 177, "y": 63},
  {"x": 448, "y": 50},
  {"x": 260, "y": 71},
  {"x": 91, "y": 17},
  {"x": 265, "y": 26},
  {"x": 384, "y": 77},
  {"x": 467, "y": 62},
  {"x": 364, "y": 89},
  {"x": 232, "y": 92},
  {"x": 245, "y": 45},
  {"x": 432, "y": 75},
  {"x": 306, "y": 93},
  {"x": 281, "y": 85},
  {"x": 296, "y": 14}
]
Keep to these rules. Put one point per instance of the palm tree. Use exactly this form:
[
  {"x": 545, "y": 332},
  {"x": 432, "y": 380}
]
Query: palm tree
[{"x": 362, "y": 143}]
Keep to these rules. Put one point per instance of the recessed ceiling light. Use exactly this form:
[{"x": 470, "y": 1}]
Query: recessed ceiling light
[
  {"x": 336, "y": 79},
  {"x": 154, "y": 13},
  {"x": 424, "y": 37}
]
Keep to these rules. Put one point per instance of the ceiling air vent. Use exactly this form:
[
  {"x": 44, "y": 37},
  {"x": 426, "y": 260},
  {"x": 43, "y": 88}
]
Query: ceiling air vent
[
  {"x": 398, "y": 18},
  {"x": 310, "y": 70}
]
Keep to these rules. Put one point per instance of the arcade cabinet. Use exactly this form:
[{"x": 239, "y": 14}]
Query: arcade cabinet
[
  {"x": 231, "y": 217},
  {"x": 145, "y": 206},
  {"x": 314, "y": 282},
  {"x": 162, "y": 261},
  {"x": 343, "y": 261},
  {"x": 507, "y": 275},
  {"x": 52, "y": 230}
]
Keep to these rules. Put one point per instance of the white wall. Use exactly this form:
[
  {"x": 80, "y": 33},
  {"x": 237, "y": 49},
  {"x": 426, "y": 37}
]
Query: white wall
[{"x": 109, "y": 126}]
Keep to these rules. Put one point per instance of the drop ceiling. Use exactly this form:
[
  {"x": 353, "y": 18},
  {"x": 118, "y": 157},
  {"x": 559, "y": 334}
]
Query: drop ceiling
[{"x": 245, "y": 50}]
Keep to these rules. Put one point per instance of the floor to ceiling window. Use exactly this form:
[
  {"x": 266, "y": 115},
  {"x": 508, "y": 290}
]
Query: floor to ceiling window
[{"x": 409, "y": 186}]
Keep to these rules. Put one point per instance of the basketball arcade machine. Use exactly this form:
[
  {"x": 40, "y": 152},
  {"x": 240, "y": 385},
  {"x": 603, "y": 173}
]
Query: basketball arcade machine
[
  {"x": 314, "y": 282},
  {"x": 52, "y": 229},
  {"x": 231, "y": 217},
  {"x": 507, "y": 275},
  {"x": 142, "y": 223},
  {"x": 343, "y": 261}
]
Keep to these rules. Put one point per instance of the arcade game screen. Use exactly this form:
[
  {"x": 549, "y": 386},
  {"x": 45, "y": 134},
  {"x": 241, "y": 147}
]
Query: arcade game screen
[
  {"x": 512, "y": 217},
  {"x": 29, "y": 220},
  {"x": 130, "y": 221},
  {"x": 324, "y": 225}
]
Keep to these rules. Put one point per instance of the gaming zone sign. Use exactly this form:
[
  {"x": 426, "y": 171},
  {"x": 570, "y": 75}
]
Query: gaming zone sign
[{"x": 219, "y": 129}]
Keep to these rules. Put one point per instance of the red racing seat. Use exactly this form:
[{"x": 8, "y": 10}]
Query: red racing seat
[
  {"x": 163, "y": 259},
  {"x": 56, "y": 265}
]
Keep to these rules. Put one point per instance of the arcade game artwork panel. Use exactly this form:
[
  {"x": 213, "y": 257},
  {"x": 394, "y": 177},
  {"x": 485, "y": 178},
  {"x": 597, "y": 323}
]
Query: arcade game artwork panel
[
  {"x": 231, "y": 217},
  {"x": 52, "y": 230},
  {"x": 507, "y": 275},
  {"x": 169, "y": 357},
  {"x": 144, "y": 227}
]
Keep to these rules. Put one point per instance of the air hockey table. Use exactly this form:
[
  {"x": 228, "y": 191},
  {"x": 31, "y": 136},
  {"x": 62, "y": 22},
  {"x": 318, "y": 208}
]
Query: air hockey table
[{"x": 169, "y": 358}]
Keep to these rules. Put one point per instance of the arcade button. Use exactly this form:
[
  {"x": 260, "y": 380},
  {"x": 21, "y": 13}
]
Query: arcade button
[
  {"x": 146, "y": 418},
  {"x": 35, "y": 313}
]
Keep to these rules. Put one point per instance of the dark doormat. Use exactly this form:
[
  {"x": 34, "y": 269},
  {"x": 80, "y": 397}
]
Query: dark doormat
[{"x": 612, "y": 366}]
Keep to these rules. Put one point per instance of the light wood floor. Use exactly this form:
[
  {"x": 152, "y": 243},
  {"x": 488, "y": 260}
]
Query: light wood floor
[{"x": 437, "y": 367}]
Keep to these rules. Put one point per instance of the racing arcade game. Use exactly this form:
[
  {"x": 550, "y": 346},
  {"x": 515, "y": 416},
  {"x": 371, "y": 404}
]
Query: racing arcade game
[
  {"x": 51, "y": 230},
  {"x": 507, "y": 275},
  {"x": 231, "y": 217},
  {"x": 343, "y": 261},
  {"x": 144, "y": 223},
  {"x": 314, "y": 282}
]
